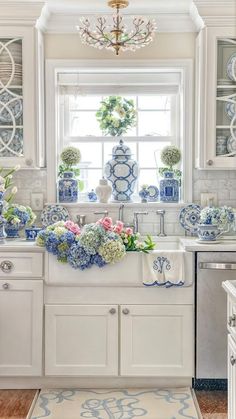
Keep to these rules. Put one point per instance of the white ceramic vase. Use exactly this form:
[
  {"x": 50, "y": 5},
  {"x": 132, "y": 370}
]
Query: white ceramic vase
[{"x": 103, "y": 191}]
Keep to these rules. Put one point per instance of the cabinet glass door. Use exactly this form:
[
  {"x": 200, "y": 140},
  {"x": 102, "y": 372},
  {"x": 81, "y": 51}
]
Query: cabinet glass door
[
  {"x": 226, "y": 98},
  {"x": 11, "y": 98}
]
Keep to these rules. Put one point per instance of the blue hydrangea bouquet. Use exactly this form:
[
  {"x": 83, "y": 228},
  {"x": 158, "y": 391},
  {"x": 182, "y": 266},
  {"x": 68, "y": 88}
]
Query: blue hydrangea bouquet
[{"x": 98, "y": 244}]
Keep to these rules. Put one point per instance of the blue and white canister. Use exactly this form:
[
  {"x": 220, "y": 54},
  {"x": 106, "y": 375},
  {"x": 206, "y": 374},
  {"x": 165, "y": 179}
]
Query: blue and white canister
[
  {"x": 122, "y": 171},
  {"x": 68, "y": 188},
  {"x": 169, "y": 188}
]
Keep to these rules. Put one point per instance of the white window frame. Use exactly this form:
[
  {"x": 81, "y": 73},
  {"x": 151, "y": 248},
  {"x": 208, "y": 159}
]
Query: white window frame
[{"x": 54, "y": 67}]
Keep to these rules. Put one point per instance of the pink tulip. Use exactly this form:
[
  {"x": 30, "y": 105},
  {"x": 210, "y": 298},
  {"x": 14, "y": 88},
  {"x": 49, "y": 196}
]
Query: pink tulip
[{"x": 129, "y": 231}]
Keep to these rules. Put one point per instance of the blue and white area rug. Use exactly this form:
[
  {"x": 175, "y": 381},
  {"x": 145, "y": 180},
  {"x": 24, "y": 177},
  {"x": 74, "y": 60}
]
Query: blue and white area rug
[{"x": 115, "y": 404}]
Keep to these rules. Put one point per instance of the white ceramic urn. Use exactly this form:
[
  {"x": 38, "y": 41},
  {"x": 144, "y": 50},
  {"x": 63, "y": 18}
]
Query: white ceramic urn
[{"x": 103, "y": 191}]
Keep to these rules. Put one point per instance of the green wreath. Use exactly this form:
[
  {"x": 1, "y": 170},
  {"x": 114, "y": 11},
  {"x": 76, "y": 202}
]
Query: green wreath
[{"x": 116, "y": 115}]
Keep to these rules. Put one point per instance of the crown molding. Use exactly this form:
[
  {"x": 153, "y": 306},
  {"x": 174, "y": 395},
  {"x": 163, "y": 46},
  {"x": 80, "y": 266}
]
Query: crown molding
[
  {"x": 215, "y": 12},
  {"x": 20, "y": 12},
  {"x": 67, "y": 23}
]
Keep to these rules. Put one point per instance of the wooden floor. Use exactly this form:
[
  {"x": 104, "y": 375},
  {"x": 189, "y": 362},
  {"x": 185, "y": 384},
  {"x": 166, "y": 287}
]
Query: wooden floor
[{"x": 15, "y": 404}]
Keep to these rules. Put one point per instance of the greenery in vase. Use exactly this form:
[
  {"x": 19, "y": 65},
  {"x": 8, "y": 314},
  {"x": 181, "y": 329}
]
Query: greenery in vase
[
  {"x": 19, "y": 215},
  {"x": 70, "y": 158},
  {"x": 116, "y": 115},
  {"x": 170, "y": 156},
  {"x": 6, "y": 176}
]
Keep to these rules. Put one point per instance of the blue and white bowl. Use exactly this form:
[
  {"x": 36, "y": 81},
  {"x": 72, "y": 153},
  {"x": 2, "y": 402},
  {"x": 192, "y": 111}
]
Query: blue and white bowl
[{"x": 208, "y": 232}]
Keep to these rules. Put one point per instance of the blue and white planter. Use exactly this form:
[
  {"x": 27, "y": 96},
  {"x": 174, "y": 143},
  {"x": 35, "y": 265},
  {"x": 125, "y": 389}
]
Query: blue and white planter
[
  {"x": 122, "y": 171},
  {"x": 169, "y": 188},
  {"x": 12, "y": 230},
  {"x": 32, "y": 232},
  {"x": 208, "y": 232},
  {"x": 68, "y": 188}
]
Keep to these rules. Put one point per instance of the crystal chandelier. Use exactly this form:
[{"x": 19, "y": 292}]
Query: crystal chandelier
[{"x": 114, "y": 35}]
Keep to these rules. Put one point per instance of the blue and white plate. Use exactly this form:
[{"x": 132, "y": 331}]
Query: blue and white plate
[
  {"x": 54, "y": 213},
  {"x": 153, "y": 192},
  {"x": 230, "y": 110},
  {"x": 231, "y": 144},
  {"x": 231, "y": 67},
  {"x": 189, "y": 218}
]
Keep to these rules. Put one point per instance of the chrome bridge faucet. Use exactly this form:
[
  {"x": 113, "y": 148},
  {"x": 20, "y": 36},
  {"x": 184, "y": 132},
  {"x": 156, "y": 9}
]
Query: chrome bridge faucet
[
  {"x": 136, "y": 220},
  {"x": 162, "y": 223}
]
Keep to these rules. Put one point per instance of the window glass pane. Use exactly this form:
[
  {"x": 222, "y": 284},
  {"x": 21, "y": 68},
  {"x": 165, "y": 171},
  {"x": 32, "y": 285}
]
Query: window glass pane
[
  {"x": 83, "y": 124},
  {"x": 154, "y": 123},
  {"x": 84, "y": 102},
  {"x": 91, "y": 153},
  {"x": 149, "y": 153},
  {"x": 147, "y": 177},
  {"x": 90, "y": 178},
  {"x": 154, "y": 102}
]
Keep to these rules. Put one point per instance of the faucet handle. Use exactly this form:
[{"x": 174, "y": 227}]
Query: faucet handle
[
  {"x": 140, "y": 213},
  {"x": 104, "y": 213},
  {"x": 161, "y": 211},
  {"x": 81, "y": 220}
]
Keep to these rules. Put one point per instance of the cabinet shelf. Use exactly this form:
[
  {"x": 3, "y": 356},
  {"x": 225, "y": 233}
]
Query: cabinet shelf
[{"x": 225, "y": 127}]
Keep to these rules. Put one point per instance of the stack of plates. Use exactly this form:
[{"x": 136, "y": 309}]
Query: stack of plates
[
  {"x": 231, "y": 67},
  {"x": 6, "y": 71}
]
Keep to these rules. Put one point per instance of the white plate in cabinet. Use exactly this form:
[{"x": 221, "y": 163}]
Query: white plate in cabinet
[
  {"x": 231, "y": 378},
  {"x": 81, "y": 340},
  {"x": 157, "y": 340},
  {"x": 21, "y": 265},
  {"x": 21, "y": 323}
]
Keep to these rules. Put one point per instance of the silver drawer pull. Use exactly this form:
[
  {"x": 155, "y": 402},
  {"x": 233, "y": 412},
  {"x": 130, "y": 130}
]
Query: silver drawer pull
[
  {"x": 6, "y": 286},
  {"x": 6, "y": 266},
  {"x": 125, "y": 311},
  {"x": 220, "y": 266},
  {"x": 112, "y": 311},
  {"x": 232, "y": 360},
  {"x": 232, "y": 321}
]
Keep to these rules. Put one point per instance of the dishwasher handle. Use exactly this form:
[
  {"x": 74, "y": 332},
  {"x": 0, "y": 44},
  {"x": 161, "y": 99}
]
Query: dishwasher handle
[{"x": 218, "y": 266}]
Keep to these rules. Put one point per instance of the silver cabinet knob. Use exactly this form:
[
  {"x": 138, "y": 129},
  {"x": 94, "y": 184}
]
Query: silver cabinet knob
[
  {"x": 6, "y": 266},
  {"x": 232, "y": 360},
  {"x": 125, "y": 311},
  {"x": 112, "y": 311},
  {"x": 6, "y": 286},
  {"x": 210, "y": 162},
  {"x": 232, "y": 321}
]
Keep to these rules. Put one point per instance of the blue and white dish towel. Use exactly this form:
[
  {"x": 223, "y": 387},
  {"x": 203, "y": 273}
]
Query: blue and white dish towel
[{"x": 163, "y": 268}]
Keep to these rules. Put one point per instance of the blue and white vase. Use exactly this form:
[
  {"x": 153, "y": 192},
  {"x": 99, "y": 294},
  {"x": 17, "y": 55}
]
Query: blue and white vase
[
  {"x": 12, "y": 230},
  {"x": 122, "y": 171},
  {"x": 92, "y": 196},
  {"x": 2, "y": 220},
  {"x": 169, "y": 188},
  {"x": 68, "y": 188},
  {"x": 144, "y": 194}
]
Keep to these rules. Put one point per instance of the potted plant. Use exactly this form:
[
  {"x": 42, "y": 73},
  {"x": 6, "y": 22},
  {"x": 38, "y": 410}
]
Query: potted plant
[
  {"x": 169, "y": 185},
  {"x": 214, "y": 221},
  {"x": 68, "y": 184},
  {"x": 17, "y": 216}
]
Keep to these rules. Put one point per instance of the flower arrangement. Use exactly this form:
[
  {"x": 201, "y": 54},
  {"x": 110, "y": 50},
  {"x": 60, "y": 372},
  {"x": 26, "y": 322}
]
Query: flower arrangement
[
  {"x": 98, "y": 244},
  {"x": 220, "y": 216},
  {"x": 15, "y": 214},
  {"x": 170, "y": 156},
  {"x": 70, "y": 157},
  {"x": 116, "y": 115}
]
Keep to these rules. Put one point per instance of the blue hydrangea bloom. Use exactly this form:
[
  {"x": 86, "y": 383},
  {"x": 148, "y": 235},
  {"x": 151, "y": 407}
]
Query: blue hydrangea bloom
[
  {"x": 78, "y": 258},
  {"x": 98, "y": 260}
]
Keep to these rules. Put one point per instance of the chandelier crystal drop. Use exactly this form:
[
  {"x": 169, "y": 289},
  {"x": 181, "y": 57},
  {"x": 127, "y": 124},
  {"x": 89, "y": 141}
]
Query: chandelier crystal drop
[{"x": 114, "y": 34}]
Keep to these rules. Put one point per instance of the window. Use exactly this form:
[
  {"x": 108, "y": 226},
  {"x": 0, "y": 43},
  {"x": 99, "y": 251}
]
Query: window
[{"x": 157, "y": 104}]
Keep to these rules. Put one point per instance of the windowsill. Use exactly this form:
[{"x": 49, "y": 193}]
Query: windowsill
[{"x": 117, "y": 204}]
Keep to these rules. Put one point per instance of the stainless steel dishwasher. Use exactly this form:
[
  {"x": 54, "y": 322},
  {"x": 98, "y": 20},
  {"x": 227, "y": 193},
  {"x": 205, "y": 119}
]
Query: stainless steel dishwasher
[{"x": 211, "y": 318}]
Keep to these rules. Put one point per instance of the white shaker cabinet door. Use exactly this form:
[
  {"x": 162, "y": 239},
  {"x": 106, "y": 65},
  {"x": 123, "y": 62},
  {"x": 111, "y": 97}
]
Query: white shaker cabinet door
[
  {"x": 231, "y": 378},
  {"x": 81, "y": 340},
  {"x": 21, "y": 323},
  {"x": 157, "y": 340}
]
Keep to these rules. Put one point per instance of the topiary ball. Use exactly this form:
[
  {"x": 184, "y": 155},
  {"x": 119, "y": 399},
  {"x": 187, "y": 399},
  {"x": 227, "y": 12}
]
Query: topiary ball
[
  {"x": 171, "y": 155},
  {"x": 70, "y": 156}
]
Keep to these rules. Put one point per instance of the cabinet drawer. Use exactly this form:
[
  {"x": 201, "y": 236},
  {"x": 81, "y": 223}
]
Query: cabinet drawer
[{"x": 21, "y": 265}]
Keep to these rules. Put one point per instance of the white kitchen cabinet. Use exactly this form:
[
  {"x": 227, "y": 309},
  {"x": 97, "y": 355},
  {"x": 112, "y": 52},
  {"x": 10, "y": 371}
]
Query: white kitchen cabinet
[
  {"x": 81, "y": 340},
  {"x": 231, "y": 378},
  {"x": 21, "y": 90},
  {"x": 21, "y": 323},
  {"x": 215, "y": 99},
  {"x": 157, "y": 340}
]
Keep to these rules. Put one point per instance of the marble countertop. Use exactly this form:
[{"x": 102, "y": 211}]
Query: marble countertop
[
  {"x": 16, "y": 245},
  {"x": 226, "y": 244}
]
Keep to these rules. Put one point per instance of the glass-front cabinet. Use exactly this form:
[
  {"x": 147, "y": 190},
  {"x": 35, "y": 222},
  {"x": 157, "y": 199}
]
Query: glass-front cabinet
[
  {"x": 216, "y": 99},
  {"x": 18, "y": 110}
]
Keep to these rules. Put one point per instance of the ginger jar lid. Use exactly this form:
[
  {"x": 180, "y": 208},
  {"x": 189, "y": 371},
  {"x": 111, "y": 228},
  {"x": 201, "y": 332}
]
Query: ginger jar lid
[{"x": 121, "y": 150}]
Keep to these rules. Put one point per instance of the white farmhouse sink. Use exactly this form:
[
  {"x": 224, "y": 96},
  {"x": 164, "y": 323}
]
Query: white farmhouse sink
[{"x": 126, "y": 273}]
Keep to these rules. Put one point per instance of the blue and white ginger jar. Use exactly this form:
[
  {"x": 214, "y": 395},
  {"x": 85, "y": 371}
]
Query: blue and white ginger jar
[
  {"x": 122, "y": 171},
  {"x": 68, "y": 188},
  {"x": 169, "y": 188}
]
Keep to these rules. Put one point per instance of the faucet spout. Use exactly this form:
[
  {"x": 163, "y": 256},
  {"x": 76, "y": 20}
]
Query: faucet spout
[{"x": 162, "y": 222}]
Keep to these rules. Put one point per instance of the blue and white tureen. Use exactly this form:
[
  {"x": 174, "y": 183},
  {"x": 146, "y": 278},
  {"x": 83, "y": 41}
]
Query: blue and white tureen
[{"x": 122, "y": 171}]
